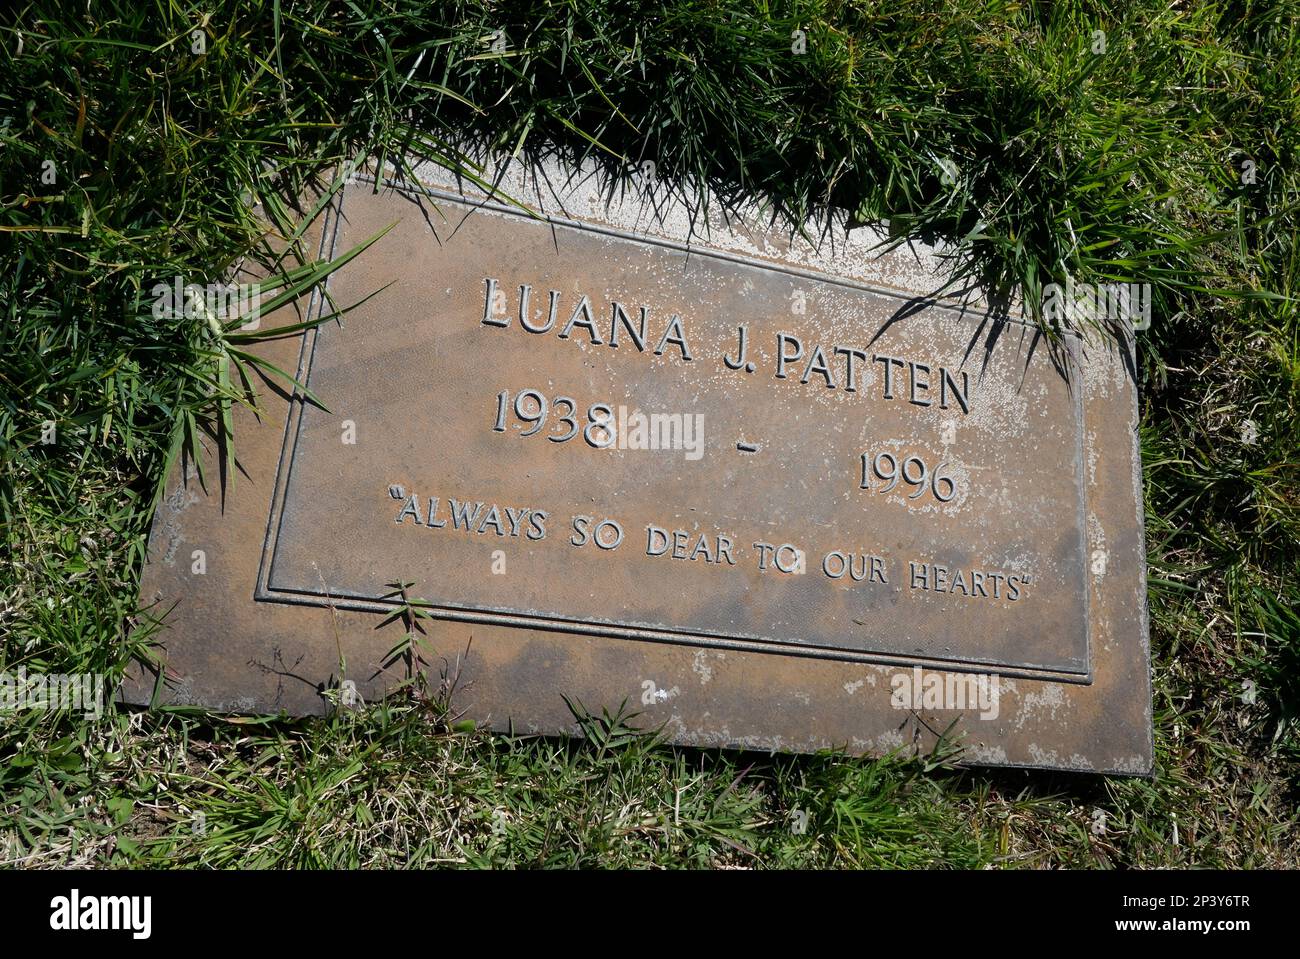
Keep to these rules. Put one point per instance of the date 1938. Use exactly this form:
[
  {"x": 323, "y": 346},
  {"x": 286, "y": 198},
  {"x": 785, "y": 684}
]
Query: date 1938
[{"x": 531, "y": 407}]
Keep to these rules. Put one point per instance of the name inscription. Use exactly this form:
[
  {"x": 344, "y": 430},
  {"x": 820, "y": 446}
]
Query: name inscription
[{"x": 837, "y": 366}]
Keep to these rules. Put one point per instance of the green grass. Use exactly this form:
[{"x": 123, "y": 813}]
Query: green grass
[{"x": 990, "y": 124}]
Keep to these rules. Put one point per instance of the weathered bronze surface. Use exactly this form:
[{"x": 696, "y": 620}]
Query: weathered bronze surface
[{"x": 760, "y": 495}]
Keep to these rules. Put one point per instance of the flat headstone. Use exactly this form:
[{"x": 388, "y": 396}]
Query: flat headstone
[{"x": 771, "y": 494}]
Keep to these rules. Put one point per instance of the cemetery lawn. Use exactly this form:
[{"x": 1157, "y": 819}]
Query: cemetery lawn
[{"x": 1141, "y": 141}]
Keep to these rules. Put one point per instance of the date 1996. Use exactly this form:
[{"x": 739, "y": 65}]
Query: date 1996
[{"x": 913, "y": 471}]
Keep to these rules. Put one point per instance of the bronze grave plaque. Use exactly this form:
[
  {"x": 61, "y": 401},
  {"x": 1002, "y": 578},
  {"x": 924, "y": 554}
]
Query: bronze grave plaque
[{"x": 776, "y": 497}]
